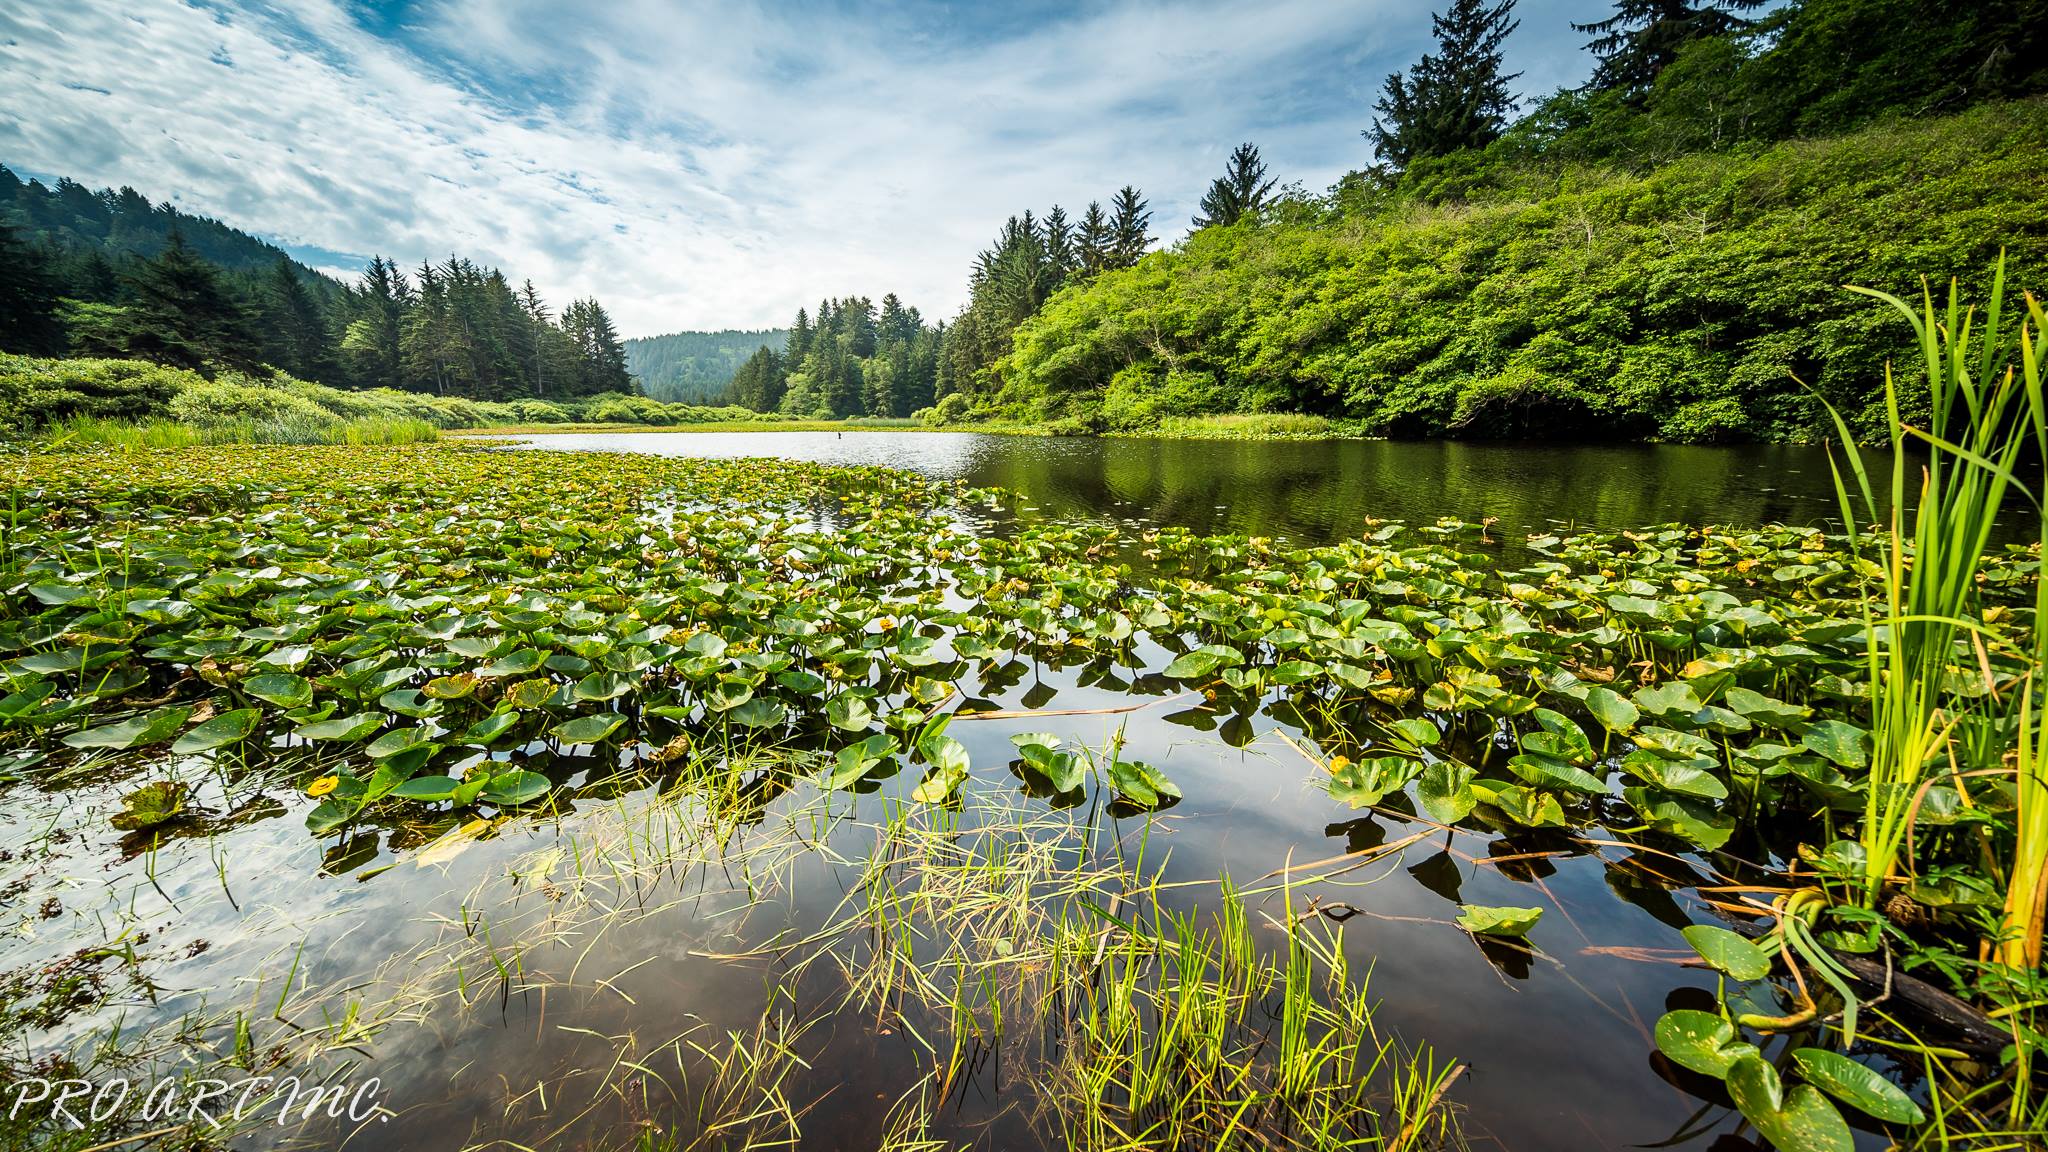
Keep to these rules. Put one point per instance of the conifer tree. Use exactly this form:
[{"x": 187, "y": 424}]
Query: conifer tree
[
  {"x": 1129, "y": 226},
  {"x": 1453, "y": 99},
  {"x": 1241, "y": 189},
  {"x": 28, "y": 299},
  {"x": 1644, "y": 37},
  {"x": 183, "y": 314},
  {"x": 1094, "y": 240}
]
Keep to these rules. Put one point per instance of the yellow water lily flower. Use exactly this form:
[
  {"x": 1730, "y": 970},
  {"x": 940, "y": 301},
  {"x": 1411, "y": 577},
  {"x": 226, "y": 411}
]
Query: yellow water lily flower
[{"x": 323, "y": 786}]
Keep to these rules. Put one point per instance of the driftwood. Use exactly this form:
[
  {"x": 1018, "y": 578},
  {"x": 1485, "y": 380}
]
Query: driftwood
[{"x": 1936, "y": 1016}]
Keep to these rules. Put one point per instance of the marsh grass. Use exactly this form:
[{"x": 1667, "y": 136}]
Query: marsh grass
[
  {"x": 1929, "y": 633},
  {"x": 1147, "y": 1013},
  {"x": 91, "y": 431}
]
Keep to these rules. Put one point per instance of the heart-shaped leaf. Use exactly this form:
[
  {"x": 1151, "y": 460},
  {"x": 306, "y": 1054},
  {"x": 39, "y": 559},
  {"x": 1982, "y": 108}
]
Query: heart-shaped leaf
[
  {"x": 1724, "y": 951},
  {"x": 226, "y": 728}
]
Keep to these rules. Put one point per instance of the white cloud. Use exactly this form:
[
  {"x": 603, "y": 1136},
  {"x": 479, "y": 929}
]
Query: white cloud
[{"x": 701, "y": 166}]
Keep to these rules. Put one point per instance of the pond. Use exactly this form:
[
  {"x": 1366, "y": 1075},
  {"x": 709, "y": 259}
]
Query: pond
[
  {"x": 1319, "y": 490},
  {"x": 690, "y": 940}
]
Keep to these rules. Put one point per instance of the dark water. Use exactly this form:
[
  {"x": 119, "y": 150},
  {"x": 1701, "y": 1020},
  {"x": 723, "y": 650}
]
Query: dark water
[{"x": 1316, "y": 491}]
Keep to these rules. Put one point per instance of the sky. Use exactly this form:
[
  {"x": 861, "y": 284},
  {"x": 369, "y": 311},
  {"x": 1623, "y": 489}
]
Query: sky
[{"x": 703, "y": 166}]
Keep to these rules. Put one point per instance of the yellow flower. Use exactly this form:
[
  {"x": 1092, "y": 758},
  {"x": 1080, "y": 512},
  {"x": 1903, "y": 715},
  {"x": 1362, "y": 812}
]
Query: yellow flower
[
  {"x": 1339, "y": 763},
  {"x": 323, "y": 785}
]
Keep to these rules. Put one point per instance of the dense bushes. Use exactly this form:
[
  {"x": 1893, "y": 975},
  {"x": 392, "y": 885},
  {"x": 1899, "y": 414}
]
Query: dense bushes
[
  {"x": 40, "y": 394},
  {"x": 1686, "y": 304}
]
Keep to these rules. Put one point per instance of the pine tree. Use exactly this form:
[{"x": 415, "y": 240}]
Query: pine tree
[
  {"x": 1059, "y": 244},
  {"x": 1129, "y": 226},
  {"x": 601, "y": 355},
  {"x": 799, "y": 343},
  {"x": 759, "y": 383},
  {"x": 28, "y": 299},
  {"x": 1454, "y": 99},
  {"x": 1093, "y": 244},
  {"x": 371, "y": 343},
  {"x": 1644, "y": 37},
  {"x": 539, "y": 322},
  {"x": 297, "y": 333},
  {"x": 1240, "y": 191},
  {"x": 184, "y": 314}
]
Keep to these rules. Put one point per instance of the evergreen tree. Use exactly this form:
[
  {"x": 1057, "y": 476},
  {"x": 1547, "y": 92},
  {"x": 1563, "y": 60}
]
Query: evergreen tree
[
  {"x": 601, "y": 356},
  {"x": 1240, "y": 191},
  {"x": 371, "y": 342},
  {"x": 1644, "y": 37},
  {"x": 28, "y": 300},
  {"x": 1059, "y": 244},
  {"x": 183, "y": 313},
  {"x": 759, "y": 383},
  {"x": 297, "y": 334},
  {"x": 1453, "y": 99},
  {"x": 1129, "y": 226},
  {"x": 1093, "y": 244},
  {"x": 799, "y": 344}
]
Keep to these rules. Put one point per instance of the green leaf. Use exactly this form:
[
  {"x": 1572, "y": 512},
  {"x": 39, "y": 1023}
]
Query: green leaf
[
  {"x": 604, "y": 686},
  {"x": 1445, "y": 791},
  {"x": 858, "y": 759},
  {"x": 134, "y": 732},
  {"x": 1193, "y": 665},
  {"x": 1856, "y": 1085},
  {"x": 1724, "y": 951},
  {"x": 332, "y": 813},
  {"x": 150, "y": 805},
  {"x": 1701, "y": 1041},
  {"x": 849, "y": 712},
  {"x": 1140, "y": 783},
  {"x": 395, "y": 741},
  {"x": 523, "y": 662},
  {"x": 486, "y": 731},
  {"x": 1844, "y": 744},
  {"x": 343, "y": 728},
  {"x": 1488, "y": 921},
  {"x": 1418, "y": 732},
  {"x": 1367, "y": 782},
  {"x": 587, "y": 729},
  {"x": 1546, "y": 772},
  {"x": 1613, "y": 711},
  {"x": 759, "y": 713},
  {"x": 516, "y": 787},
  {"x": 1799, "y": 1120},
  {"x": 426, "y": 788},
  {"x": 280, "y": 688},
  {"x": 226, "y": 728}
]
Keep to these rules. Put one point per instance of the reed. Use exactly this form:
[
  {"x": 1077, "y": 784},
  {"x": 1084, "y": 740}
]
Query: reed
[{"x": 1927, "y": 572}]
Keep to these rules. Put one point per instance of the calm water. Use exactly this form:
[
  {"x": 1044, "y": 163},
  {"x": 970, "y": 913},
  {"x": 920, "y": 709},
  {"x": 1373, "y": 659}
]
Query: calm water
[
  {"x": 1558, "y": 1045},
  {"x": 1314, "y": 491}
]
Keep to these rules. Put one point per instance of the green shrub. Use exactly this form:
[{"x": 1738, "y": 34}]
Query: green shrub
[
  {"x": 236, "y": 399},
  {"x": 36, "y": 393}
]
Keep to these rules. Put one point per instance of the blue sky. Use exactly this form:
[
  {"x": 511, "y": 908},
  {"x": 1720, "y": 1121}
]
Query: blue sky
[{"x": 702, "y": 166}]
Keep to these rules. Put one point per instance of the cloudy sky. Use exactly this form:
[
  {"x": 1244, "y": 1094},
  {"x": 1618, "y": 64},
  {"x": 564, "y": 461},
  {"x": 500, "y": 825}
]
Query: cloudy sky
[{"x": 701, "y": 166}]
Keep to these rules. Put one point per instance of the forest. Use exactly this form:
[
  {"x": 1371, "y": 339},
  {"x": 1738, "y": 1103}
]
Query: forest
[{"x": 108, "y": 274}]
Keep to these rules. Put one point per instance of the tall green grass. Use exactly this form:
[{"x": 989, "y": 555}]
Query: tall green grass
[
  {"x": 1930, "y": 639},
  {"x": 92, "y": 431}
]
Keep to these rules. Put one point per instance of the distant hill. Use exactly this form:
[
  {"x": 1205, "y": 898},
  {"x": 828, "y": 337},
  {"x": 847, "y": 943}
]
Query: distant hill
[
  {"x": 694, "y": 367},
  {"x": 113, "y": 228}
]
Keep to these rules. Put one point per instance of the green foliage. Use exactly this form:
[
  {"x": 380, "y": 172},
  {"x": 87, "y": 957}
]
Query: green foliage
[{"x": 1686, "y": 304}]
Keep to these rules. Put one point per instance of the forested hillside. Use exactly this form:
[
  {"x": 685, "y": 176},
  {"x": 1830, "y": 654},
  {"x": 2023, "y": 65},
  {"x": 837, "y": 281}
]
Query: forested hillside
[
  {"x": 109, "y": 274},
  {"x": 1660, "y": 254},
  {"x": 695, "y": 367}
]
